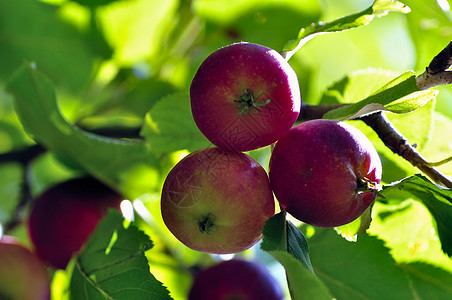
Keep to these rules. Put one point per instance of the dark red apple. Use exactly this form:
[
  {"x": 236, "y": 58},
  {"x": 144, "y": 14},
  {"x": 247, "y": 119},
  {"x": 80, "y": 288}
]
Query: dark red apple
[
  {"x": 63, "y": 217},
  {"x": 235, "y": 279},
  {"x": 245, "y": 96},
  {"x": 22, "y": 274},
  {"x": 217, "y": 201},
  {"x": 323, "y": 172}
]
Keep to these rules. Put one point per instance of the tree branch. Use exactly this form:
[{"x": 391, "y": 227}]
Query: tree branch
[
  {"x": 24, "y": 157},
  {"x": 437, "y": 72},
  {"x": 395, "y": 141}
]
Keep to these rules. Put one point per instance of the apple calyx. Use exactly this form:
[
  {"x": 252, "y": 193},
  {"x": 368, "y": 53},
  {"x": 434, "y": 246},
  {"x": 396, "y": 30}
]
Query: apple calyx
[
  {"x": 248, "y": 101},
  {"x": 206, "y": 223}
]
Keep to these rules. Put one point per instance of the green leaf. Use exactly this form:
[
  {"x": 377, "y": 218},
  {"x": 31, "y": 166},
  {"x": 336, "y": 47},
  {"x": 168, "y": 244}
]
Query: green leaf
[
  {"x": 113, "y": 161},
  {"x": 429, "y": 282},
  {"x": 280, "y": 234},
  {"x": 438, "y": 201},
  {"x": 287, "y": 244},
  {"x": 351, "y": 230},
  {"x": 297, "y": 245},
  {"x": 169, "y": 126},
  {"x": 59, "y": 49},
  {"x": 274, "y": 23},
  {"x": 408, "y": 229},
  {"x": 275, "y": 233},
  {"x": 357, "y": 85},
  {"x": 400, "y": 95},
  {"x": 303, "y": 284},
  {"x": 112, "y": 264},
  {"x": 378, "y": 8},
  {"x": 357, "y": 270}
]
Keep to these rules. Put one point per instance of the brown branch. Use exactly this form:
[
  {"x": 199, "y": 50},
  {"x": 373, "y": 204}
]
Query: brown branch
[
  {"x": 437, "y": 72},
  {"x": 312, "y": 112},
  {"x": 395, "y": 141},
  {"x": 389, "y": 135}
]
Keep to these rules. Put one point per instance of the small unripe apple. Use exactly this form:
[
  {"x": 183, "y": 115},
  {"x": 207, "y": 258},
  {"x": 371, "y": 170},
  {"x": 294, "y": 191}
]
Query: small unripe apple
[
  {"x": 22, "y": 274},
  {"x": 325, "y": 173},
  {"x": 217, "y": 201},
  {"x": 244, "y": 96},
  {"x": 235, "y": 279},
  {"x": 63, "y": 217}
]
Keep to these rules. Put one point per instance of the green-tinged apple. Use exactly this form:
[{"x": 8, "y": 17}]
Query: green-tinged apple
[
  {"x": 325, "y": 173},
  {"x": 217, "y": 201},
  {"x": 23, "y": 276},
  {"x": 245, "y": 96},
  {"x": 63, "y": 217},
  {"x": 235, "y": 279}
]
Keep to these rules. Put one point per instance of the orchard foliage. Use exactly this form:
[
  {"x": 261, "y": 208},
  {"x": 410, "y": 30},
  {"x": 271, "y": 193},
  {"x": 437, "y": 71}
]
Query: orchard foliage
[{"x": 101, "y": 88}]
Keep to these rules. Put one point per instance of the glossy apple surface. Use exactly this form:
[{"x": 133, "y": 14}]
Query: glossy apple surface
[
  {"x": 320, "y": 170},
  {"x": 22, "y": 274},
  {"x": 235, "y": 279},
  {"x": 217, "y": 201},
  {"x": 244, "y": 96},
  {"x": 63, "y": 217}
]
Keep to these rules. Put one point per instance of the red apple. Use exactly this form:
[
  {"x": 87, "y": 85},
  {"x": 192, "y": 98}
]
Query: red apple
[
  {"x": 63, "y": 217},
  {"x": 235, "y": 279},
  {"x": 217, "y": 201},
  {"x": 322, "y": 172},
  {"x": 22, "y": 274},
  {"x": 244, "y": 96}
]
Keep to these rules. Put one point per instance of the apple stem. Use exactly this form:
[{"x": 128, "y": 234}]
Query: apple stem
[
  {"x": 206, "y": 223},
  {"x": 366, "y": 185},
  {"x": 247, "y": 101}
]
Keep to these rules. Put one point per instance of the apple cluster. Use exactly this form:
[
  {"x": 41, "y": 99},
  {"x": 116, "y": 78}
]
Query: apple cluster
[
  {"x": 59, "y": 223},
  {"x": 243, "y": 97}
]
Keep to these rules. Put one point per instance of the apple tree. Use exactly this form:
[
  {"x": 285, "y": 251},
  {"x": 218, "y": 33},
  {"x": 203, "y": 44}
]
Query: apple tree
[{"x": 132, "y": 102}]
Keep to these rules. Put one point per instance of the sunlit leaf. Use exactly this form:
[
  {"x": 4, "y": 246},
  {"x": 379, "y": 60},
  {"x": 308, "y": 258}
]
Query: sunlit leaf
[
  {"x": 400, "y": 95},
  {"x": 112, "y": 264},
  {"x": 351, "y": 230},
  {"x": 409, "y": 230},
  {"x": 378, "y": 8},
  {"x": 438, "y": 201}
]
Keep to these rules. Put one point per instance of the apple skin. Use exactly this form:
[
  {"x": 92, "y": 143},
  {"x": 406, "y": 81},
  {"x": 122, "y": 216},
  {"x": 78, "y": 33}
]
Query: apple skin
[
  {"x": 62, "y": 218},
  {"x": 22, "y": 274},
  {"x": 217, "y": 201},
  {"x": 316, "y": 171},
  {"x": 237, "y": 70},
  {"x": 235, "y": 279}
]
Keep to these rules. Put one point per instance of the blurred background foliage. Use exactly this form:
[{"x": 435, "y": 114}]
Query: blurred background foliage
[{"x": 112, "y": 61}]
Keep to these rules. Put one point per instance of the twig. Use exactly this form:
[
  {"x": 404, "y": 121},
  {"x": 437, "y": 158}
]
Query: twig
[
  {"x": 395, "y": 141},
  {"x": 25, "y": 198},
  {"x": 437, "y": 72},
  {"x": 22, "y": 156}
]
